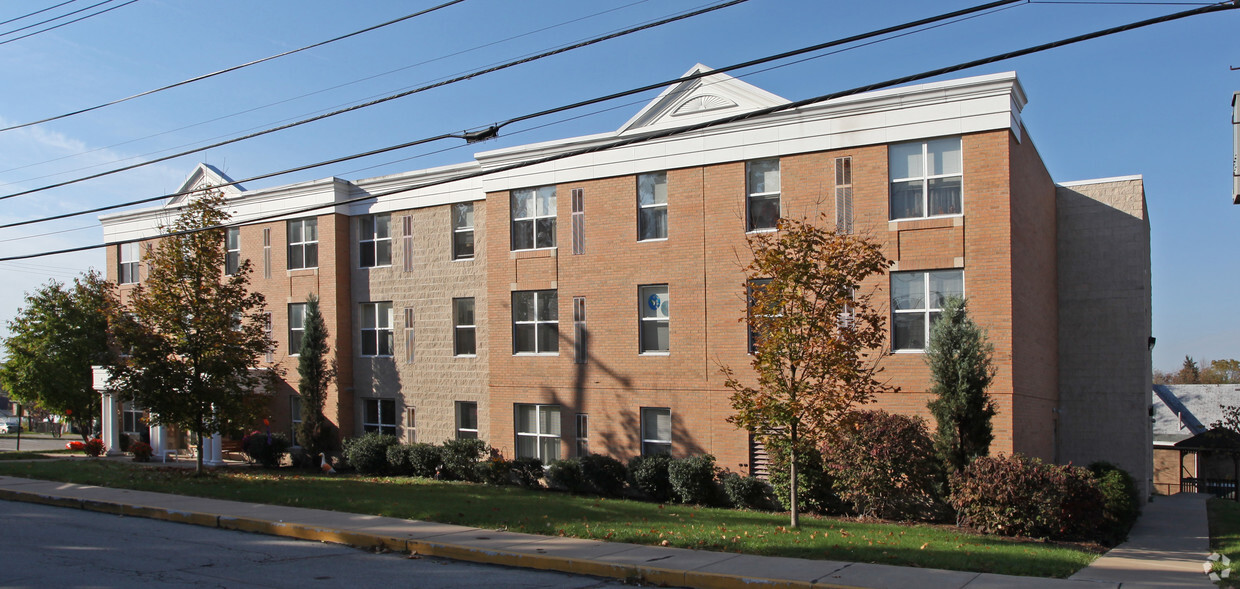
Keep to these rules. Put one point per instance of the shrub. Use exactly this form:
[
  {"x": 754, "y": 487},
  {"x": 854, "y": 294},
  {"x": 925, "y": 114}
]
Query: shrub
[
  {"x": 424, "y": 460},
  {"x": 648, "y": 474},
  {"x": 566, "y": 474},
  {"x": 460, "y": 459},
  {"x": 494, "y": 471},
  {"x": 265, "y": 449},
  {"x": 746, "y": 492},
  {"x": 124, "y": 442},
  {"x": 693, "y": 479},
  {"x": 398, "y": 460},
  {"x": 605, "y": 475},
  {"x": 94, "y": 448},
  {"x": 368, "y": 453},
  {"x": 141, "y": 451},
  {"x": 813, "y": 483},
  {"x": 1022, "y": 496},
  {"x": 884, "y": 465},
  {"x": 1120, "y": 501},
  {"x": 527, "y": 472}
]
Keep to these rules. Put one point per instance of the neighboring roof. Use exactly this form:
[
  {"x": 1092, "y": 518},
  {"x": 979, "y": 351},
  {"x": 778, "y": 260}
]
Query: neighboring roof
[
  {"x": 1185, "y": 410},
  {"x": 205, "y": 176},
  {"x": 1215, "y": 439}
]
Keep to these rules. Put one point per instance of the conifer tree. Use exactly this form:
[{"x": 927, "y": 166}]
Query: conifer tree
[
  {"x": 961, "y": 365},
  {"x": 314, "y": 434}
]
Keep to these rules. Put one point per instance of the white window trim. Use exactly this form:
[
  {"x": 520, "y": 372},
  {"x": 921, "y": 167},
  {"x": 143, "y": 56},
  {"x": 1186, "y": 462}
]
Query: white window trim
[
  {"x": 642, "y": 319},
  {"x": 925, "y": 184},
  {"x": 302, "y": 243},
  {"x": 457, "y": 406},
  {"x": 536, "y": 322},
  {"x": 291, "y": 352},
  {"x": 751, "y": 195},
  {"x": 376, "y": 328},
  {"x": 457, "y": 327},
  {"x": 534, "y": 218},
  {"x": 374, "y": 239},
  {"x": 641, "y": 207},
  {"x": 229, "y": 251},
  {"x": 538, "y": 435},
  {"x": 134, "y": 249},
  {"x": 381, "y": 425},
  {"x": 463, "y": 229},
  {"x": 641, "y": 418},
  {"x": 927, "y": 310}
]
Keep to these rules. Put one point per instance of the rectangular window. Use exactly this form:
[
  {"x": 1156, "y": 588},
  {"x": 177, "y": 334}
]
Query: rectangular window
[
  {"x": 754, "y": 286},
  {"x": 655, "y": 319},
  {"x": 535, "y": 322},
  {"x": 463, "y": 231},
  {"x": 296, "y": 327},
  {"x": 267, "y": 253},
  {"x": 406, "y": 224},
  {"x": 580, "y": 334},
  {"x": 128, "y": 256},
  {"x": 268, "y": 330},
  {"x": 583, "y": 434},
  {"x": 409, "y": 338},
  {"x": 652, "y": 206},
  {"x": 232, "y": 250},
  {"x": 538, "y": 432},
  {"x": 374, "y": 241},
  {"x": 916, "y": 300},
  {"x": 466, "y": 420},
  {"x": 133, "y": 420},
  {"x": 656, "y": 430},
  {"x": 379, "y": 415},
  {"x": 411, "y": 425},
  {"x": 376, "y": 329},
  {"x": 579, "y": 221},
  {"x": 464, "y": 331},
  {"x": 303, "y": 244},
  {"x": 533, "y": 218},
  {"x": 762, "y": 188},
  {"x": 925, "y": 178},
  {"x": 843, "y": 195},
  {"x": 294, "y": 413}
]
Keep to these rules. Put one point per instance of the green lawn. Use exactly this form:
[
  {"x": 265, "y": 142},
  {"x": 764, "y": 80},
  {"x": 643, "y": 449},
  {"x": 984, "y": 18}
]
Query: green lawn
[
  {"x": 22, "y": 456},
  {"x": 1224, "y": 516},
  {"x": 551, "y": 513}
]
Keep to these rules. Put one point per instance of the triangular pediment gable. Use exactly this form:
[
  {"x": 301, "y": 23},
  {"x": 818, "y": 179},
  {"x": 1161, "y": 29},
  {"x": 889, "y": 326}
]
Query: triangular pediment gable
[
  {"x": 702, "y": 99},
  {"x": 203, "y": 176}
]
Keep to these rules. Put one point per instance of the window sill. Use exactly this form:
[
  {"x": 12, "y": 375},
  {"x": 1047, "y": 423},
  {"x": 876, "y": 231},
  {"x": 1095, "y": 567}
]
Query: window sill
[
  {"x": 667, "y": 353},
  {"x": 307, "y": 270},
  {"x": 465, "y": 356},
  {"x": 536, "y": 354},
  {"x": 652, "y": 239},
  {"x": 469, "y": 259},
  {"x": 374, "y": 267},
  {"x": 912, "y": 351},
  {"x": 762, "y": 230},
  {"x": 380, "y": 356}
]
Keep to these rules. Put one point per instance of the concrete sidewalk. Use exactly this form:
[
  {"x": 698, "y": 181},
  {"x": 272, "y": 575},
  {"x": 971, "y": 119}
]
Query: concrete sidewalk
[
  {"x": 1166, "y": 548},
  {"x": 650, "y": 564}
]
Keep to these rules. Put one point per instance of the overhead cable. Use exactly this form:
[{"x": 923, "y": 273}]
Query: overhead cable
[
  {"x": 78, "y": 19},
  {"x": 40, "y": 11},
  {"x": 1230, "y": 5}
]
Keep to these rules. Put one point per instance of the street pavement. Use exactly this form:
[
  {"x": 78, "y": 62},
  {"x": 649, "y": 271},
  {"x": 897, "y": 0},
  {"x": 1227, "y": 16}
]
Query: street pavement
[
  {"x": 35, "y": 442},
  {"x": 1152, "y": 556}
]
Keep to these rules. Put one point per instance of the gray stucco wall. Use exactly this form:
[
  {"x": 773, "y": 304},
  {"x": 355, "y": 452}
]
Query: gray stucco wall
[{"x": 1105, "y": 326}]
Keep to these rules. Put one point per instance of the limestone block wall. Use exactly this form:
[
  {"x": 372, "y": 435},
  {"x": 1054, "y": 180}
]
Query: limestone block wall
[{"x": 1105, "y": 326}]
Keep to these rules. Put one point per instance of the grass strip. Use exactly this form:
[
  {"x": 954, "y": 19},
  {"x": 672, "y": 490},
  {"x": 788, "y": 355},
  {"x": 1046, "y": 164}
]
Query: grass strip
[{"x": 559, "y": 514}]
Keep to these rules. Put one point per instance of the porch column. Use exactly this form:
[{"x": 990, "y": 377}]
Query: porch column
[
  {"x": 111, "y": 412},
  {"x": 159, "y": 442},
  {"x": 211, "y": 452}
]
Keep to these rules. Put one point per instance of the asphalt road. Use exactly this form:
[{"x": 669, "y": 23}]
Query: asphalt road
[
  {"x": 37, "y": 443},
  {"x": 43, "y": 546}
]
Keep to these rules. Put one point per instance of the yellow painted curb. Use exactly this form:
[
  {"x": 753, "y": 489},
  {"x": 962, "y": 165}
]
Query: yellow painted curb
[{"x": 706, "y": 580}]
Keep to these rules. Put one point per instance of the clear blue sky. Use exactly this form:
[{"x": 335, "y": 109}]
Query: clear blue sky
[{"x": 1154, "y": 102}]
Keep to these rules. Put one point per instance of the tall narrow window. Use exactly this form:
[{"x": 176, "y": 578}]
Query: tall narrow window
[
  {"x": 266, "y": 253},
  {"x": 843, "y": 195},
  {"x": 655, "y": 319},
  {"x": 133, "y": 420},
  {"x": 538, "y": 432},
  {"x": 925, "y": 178},
  {"x": 754, "y": 286},
  {"x": 409, "y": 337},
  {"x": 375, "y": 241},
  {"x": 762, "y": 202},
  {"x": 232, "y": 250},
  {"x": 533, "y": 218},
  {"x": 583, "y": 434},
  {"x": 128, "y": 256},
  {"x": 466, "y": 420},
  {"x": 376, "y": 330},
  {"x": 579, "y": 221},
  {"x": 464, "y": 331},
  {"x": 652, "y": 206},
  {"x": 294, "y": 418},
  {"x": 268, "y": 330},
  {"x": 411, "y": 425},
  {"x": 296, "y": 327},
  {"x": 463, "y": 231},
  {"x": 379, "y": 416},
  {"x": 535, "y": 322},
  {"x": 303, "y": 244},
  {"x": 916, "y": 300},
  {"x": 406, "y": 241},
  {"x": 580, "y": 334},
  {"x": 656, "y": 430}
]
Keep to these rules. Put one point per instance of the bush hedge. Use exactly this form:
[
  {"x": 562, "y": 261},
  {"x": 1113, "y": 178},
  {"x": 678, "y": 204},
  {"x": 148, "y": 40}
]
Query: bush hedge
[
  {"x": 648, "y": 474},
  {"x": 368, "y": 454},
  {"x": 266, "y": 449},
  {"x": 494, "y": 471},
  {"x": 814, "y": 491},
  {"x": 604, "y": 475},
  {"x": 1120, "y": 501},
  {"x": 747, "y": 492},
  {"x": 528, "y": 472},
  {"x": 693, "y": 479},
  {"x": 1022, "y": 496},
  {"x": 460, "y": 459},
  {"x": 566, "y": 474},
  {"x": 884, "y": 465}
]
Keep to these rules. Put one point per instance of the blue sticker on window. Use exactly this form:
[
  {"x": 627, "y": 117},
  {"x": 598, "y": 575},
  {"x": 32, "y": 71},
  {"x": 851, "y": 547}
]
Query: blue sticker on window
[{"x": 653, "y": 302}]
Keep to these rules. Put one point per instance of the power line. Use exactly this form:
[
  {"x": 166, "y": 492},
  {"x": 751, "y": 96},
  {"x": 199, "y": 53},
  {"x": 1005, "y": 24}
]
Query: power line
[
  {"x": 1229, "y": 5},
  {"x": 80, "y": 18},
  {"x": 966, "y": 12},
  {"x": 424, "y": 88},
  {"x": 40, "y": 11},
  {"x": 235, "y": 67},
  {"x": 54, "y": 18}
]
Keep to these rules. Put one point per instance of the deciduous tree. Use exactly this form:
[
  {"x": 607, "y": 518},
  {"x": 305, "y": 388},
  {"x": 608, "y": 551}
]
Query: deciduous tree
[
  {"x": 194, "y": 336},
  {"x": 818, "y": 336},
  {"x": 54, "y": 340},
  {"x": 960, "y": 360}
]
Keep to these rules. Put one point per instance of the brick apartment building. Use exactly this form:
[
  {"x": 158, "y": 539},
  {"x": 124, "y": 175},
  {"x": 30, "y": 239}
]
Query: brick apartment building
[{"x": 586, "y": 304}]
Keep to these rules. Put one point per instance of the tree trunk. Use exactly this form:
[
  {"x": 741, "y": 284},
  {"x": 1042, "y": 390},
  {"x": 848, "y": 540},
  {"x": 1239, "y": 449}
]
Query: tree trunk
[
  {"x": 792, "y": 478},
  {"x": 198, "y": 469}
]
